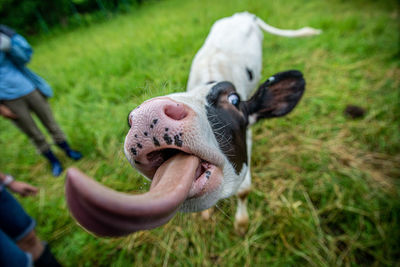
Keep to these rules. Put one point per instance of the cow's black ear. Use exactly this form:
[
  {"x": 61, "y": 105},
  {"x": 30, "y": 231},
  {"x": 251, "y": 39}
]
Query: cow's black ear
[{"x": 277, "y": 96}]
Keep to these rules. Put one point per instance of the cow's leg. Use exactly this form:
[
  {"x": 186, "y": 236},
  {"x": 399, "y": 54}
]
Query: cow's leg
[{"x": 241, "y": 216}]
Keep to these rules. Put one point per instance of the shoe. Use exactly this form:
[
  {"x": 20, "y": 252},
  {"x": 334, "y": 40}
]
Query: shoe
[
  {"x": 56, "y": 167},
  {"x": 75, "y": 155}
]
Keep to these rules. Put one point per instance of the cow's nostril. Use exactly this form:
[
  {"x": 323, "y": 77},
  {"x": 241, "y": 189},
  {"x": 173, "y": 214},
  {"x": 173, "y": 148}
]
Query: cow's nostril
[{"x": 175, "y": 111}]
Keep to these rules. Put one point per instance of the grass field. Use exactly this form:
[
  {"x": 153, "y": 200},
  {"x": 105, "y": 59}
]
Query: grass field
[{"x": 326, "y": 188}]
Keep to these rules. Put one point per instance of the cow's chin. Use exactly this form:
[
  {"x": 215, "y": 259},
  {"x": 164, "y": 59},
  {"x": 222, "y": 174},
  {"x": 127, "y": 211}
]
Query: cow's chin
[
  {"x": 202, "y": 202},
  {"x": 230, "y": 185}
]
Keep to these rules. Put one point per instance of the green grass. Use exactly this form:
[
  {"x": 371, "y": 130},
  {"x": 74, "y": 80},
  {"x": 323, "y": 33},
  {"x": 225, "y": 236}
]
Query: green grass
[{"x": 326, "y": 188}]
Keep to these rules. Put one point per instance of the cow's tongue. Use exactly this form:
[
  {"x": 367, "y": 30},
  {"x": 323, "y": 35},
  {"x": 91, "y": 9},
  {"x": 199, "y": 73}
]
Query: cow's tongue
[{"x": 106, "y": 212}]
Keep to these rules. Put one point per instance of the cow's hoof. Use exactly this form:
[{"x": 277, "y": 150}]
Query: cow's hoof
[
  {"x": 241, "y": 225},
  {"x": 206, "y": 214}
]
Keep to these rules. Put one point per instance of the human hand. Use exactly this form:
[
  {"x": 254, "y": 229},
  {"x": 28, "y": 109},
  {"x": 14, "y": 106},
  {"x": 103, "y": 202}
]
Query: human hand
[
  {"x": 7, "y": 113},
  {"x": 22, "y": 188}
]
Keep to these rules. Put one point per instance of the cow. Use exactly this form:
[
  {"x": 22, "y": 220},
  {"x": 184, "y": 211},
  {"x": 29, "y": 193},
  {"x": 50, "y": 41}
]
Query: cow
[{"x": 195, "y": 146}]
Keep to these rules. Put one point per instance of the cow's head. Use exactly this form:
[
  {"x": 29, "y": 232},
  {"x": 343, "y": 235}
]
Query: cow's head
[{"x": 209, "y": 123}]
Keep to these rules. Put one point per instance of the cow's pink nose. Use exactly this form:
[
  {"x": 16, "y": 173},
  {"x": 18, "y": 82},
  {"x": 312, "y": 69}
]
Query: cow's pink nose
[{"x": 175, "y": 111}]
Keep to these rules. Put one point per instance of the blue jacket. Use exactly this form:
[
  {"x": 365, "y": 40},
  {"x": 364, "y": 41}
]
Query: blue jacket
[{"x": 16, "y": 80}]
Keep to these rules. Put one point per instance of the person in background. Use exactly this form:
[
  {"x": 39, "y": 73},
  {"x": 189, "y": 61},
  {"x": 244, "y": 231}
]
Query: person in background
[
  {"x": 23, "y": 92},
  {"x": 19, "y": 245}
]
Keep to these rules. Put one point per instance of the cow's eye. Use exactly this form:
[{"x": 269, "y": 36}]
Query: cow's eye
[{"x": 234, "y": 99}]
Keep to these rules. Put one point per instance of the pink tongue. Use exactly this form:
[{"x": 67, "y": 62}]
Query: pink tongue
[{"x": 106, "y": 212}]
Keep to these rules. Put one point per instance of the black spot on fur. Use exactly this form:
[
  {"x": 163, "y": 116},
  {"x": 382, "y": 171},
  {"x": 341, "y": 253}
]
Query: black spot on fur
[
  {"x": 137, "y": 162},
  {"x": 249, "y": 74},
  {"x": 146, "y": 133},
  {"x": 210, "y": 82},
  {"x": 135, "y": 135},
  {"x": 167, "y": 139},
  {"x": 166, "y": 129},
  {"x": 156, "y": 142},
  {"x": 139, "y": 145},
  {"x": 155, "y": 121},
  {"x": 151, "y": 126},
  {"x": 133, "y": 150},
  {"x": 178, "y": 141}
]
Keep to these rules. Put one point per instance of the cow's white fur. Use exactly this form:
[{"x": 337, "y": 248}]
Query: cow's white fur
[{"x": 226, "y": 54}]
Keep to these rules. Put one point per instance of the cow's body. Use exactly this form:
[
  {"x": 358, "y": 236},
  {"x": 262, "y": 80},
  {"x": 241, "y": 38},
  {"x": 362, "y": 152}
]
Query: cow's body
[
  {"x": 209, "y": 121},
  {"x": 232, "y": 52}
]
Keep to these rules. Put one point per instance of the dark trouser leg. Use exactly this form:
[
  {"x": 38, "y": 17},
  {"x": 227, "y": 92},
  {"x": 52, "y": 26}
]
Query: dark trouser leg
[
  {"x": 38, "y": 104},
  {"x": 21, "y": 107},
  {"x": 15, "y": 224},
  {"x": 26, "y": 123},
  {"x": 41, "y": 107}
]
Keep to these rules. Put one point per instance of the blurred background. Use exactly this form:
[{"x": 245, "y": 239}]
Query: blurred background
[
  {"x": 35, "y": 16},
  {"x": 325, "y": 182}
]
